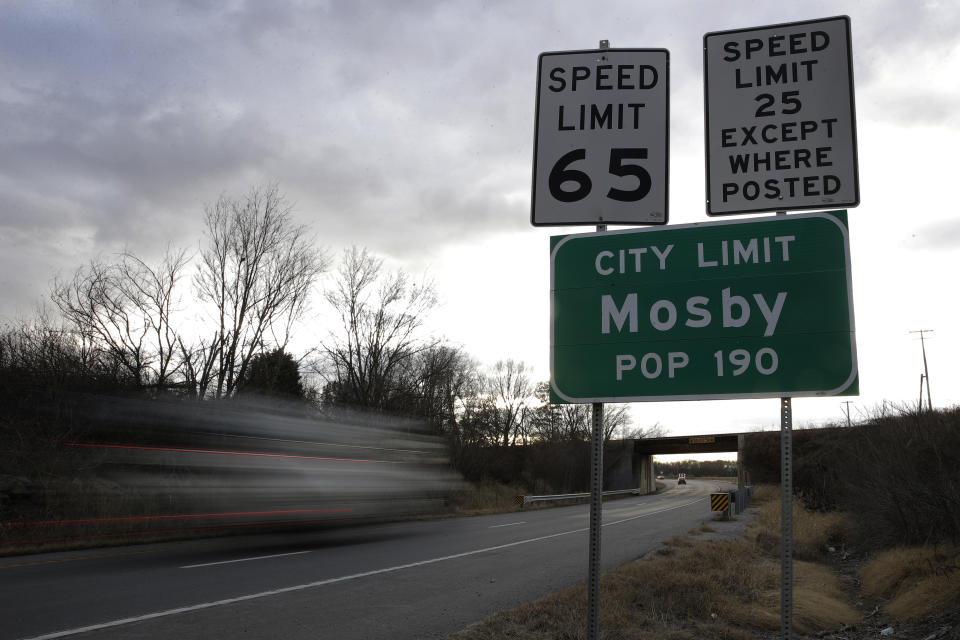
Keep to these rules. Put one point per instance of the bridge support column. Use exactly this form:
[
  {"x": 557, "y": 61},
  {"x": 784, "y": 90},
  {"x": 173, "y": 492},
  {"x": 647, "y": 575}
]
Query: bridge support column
[
  {"x": 740, "y": 471},
  {"x": 646, "y": 482}
]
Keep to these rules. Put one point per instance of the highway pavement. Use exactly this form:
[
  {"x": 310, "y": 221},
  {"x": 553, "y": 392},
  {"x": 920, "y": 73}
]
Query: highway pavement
[{"x": 418, "y": 579}]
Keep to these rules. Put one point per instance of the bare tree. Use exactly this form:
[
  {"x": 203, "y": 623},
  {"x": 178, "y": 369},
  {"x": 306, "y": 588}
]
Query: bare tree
[
  {"x": 559, "y": 422},
  {"x": 545, "y": 422},
  {"x": 512, "y": 390},
  {"x": 616, "y": 420},
  {"x": 152, "y": 292},
  {"x": 94, "y": 306},
  {"x": 124, "y": 308},
  {"x": 479, "y": 422},
  {"x": 38, "y": 353},
  {"x": 436, "y": 379},
  {"x": 256, "y": 271},
  {"x": 577, "y": 421},
  {"x": 381, "y": 316},
  {"x": 656, "y": 430}
]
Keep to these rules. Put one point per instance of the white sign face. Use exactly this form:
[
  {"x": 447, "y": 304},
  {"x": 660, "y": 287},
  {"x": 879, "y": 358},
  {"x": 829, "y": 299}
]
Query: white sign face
[
  {"x": 780, "y": 125},
  {"x": 601, "y": 133}
]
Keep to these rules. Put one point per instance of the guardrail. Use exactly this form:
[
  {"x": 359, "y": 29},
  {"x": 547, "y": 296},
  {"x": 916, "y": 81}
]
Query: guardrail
[{"x": 524, "y": 500}]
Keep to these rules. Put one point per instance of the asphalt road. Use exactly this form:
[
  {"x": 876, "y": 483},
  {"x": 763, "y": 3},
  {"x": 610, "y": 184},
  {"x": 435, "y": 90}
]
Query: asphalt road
[{"x": 420, "y": 579}]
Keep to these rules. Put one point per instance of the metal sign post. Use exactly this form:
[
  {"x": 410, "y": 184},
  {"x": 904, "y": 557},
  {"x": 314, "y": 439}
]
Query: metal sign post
[
  {"x": 781, "y": 135},
  {"x": 786, "y": 519},
  {"x": 601, "y": 139},
  {"x": 786, "y": 514},
  {"x": 596, "y": 502},
  {"x": 596, "y": 521}
]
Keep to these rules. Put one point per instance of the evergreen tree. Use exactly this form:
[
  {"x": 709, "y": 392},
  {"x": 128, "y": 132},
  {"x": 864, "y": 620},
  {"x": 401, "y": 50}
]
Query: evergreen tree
[{"x": 273, "y": 373}]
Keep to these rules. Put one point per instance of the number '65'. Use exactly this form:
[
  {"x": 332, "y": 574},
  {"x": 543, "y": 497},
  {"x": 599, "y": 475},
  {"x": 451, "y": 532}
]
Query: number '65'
[{"x": 562, "y": 173}]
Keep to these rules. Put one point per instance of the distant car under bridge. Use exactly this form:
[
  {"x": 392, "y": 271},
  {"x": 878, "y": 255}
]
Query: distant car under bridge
[{"x": 633, "y": 467}]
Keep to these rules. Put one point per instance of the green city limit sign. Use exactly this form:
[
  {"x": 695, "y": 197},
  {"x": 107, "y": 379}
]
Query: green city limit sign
[{"x": 750, "y": 308}]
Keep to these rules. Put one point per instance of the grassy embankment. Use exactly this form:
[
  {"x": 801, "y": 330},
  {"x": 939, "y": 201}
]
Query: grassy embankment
[{"x": 695, "y": 588}]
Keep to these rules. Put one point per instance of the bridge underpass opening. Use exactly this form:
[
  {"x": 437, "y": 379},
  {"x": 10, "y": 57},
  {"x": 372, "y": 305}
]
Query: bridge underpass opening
[{"x": 644, "y": 451}]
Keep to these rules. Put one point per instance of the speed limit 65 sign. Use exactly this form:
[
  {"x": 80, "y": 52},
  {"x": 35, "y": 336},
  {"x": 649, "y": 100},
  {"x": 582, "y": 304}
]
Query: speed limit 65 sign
[{"x": 601, "y": 137}]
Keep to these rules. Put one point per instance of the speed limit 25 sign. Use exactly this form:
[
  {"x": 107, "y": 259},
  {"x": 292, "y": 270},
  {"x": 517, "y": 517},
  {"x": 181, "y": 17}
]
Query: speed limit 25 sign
[
  {"x": 601, "y": 137},
  {"x": 781, "y": 129}
]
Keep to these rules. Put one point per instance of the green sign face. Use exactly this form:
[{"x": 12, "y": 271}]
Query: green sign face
[{"x": 749, "y": 308}]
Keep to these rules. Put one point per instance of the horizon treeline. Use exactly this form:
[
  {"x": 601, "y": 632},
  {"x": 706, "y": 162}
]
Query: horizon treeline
[{"x": 219, "y": 323}]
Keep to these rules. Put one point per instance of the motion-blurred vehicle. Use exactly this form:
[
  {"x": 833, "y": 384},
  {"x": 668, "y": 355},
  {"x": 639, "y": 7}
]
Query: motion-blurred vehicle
[
  {"x": 178, "y": 467},
  {"x": 682, "y": 479}
]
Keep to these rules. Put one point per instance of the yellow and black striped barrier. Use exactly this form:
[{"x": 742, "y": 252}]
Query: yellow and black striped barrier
[{"x": 719, "y": 502}]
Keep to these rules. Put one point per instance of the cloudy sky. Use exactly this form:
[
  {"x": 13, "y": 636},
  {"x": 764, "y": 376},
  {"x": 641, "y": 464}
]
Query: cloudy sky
[{"x": 407, "y": 127}]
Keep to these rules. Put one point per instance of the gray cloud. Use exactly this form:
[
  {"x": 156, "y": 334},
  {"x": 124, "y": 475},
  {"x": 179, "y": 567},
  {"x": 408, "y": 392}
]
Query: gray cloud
[
  {"x": 942, "y": 235},
  {"x": 394, "y": 125}
]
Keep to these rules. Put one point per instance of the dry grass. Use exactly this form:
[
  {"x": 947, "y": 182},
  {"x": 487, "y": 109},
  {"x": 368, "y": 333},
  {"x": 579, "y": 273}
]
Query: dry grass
[
  {"x": 704, "y": 528},
  {"x": 486, "y": 497},
  {"x": 813, "y": 532},
  {"x": 764, "y": 494},
  {"x": 916, "y": 582},
  {"x": 701, "y": 590},
  {"x": 690, "y": 590},
  {"x": 706, "y": 589},
  {"x": 819, "y": 600}
]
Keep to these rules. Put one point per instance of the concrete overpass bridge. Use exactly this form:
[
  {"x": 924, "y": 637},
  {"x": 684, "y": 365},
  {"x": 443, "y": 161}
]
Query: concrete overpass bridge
[{"x": 633, "y": 467}]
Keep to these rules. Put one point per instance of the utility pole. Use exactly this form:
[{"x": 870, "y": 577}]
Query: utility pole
[
  {"x": 920, "y": 401},
  {"x": 847, "y": 402},
  {"x": 926, "y": 373}
]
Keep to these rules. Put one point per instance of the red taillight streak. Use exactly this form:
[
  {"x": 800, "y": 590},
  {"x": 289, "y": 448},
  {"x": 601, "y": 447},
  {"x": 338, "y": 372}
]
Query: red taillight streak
[
  {"x": 185, "y": 516},
  {"x": 224, "y": 453}
]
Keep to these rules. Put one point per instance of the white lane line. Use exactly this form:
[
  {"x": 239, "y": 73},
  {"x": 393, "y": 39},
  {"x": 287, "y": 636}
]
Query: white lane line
[
  {"x": 652, "y": 513},
  {"x": 275, "y": 555},
  {"x": 320, "y": 583},
  {"x": 511, "y": 524}
]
